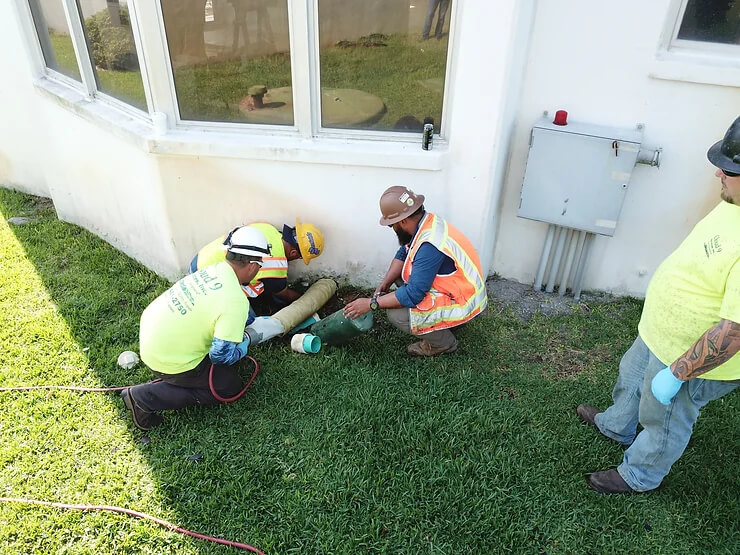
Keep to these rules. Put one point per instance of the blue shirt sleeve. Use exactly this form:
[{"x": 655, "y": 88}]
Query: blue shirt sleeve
[
  {"x": 224, "y": 352},
  {"x": 401, "y": 253},
  {"x": 427, "y": 263}
]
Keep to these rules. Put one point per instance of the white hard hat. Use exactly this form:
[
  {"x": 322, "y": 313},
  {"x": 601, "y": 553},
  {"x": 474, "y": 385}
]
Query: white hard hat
[{"x": 248, "y": 241}]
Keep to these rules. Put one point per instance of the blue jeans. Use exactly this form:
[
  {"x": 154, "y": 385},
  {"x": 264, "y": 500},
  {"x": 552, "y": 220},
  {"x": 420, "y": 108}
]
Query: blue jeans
[
  {"x": 431, "y": 8},
  {"x": 666, "y": 429}
]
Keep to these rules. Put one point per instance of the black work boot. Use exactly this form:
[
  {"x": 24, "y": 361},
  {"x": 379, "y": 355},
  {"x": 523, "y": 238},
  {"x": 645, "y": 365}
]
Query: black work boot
[
  {"x": 143, "y": 419},
  {"x": 587, "y": 414},
  {"x": 608, "y": 481}
]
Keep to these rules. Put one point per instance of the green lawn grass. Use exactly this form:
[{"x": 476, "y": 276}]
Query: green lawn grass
[{"x": 358, "y": 449}]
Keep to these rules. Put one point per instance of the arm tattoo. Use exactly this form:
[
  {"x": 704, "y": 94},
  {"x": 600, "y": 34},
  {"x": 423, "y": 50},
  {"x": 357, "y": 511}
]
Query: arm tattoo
[{"x": 718, "y": 344}]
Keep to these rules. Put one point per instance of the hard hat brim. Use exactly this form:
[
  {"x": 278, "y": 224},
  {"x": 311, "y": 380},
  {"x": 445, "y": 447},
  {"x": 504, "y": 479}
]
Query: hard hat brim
[
  {"x": 403, "y": 215},
  {"x": 715, "y": 156}
]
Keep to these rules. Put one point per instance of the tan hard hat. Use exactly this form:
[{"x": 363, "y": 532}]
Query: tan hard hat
[{"x": 397, "y": 203}]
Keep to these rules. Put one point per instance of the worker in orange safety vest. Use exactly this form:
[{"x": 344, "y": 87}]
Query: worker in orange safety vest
[{"x": 439, "y": 272}]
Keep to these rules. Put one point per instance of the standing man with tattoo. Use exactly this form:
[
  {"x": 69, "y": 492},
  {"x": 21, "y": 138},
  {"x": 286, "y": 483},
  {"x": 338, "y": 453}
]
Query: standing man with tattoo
[{"x": 689, "y": 333}]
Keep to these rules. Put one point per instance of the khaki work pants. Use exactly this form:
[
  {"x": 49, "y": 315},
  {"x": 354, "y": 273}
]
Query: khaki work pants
[{"x": 400, "y": 318}]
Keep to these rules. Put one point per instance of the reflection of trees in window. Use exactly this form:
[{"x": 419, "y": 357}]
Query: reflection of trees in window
[
  {"x": 711, "y": 21},
  {"x": 54, "y": 37},
  {"x": 110, "y": 41}
]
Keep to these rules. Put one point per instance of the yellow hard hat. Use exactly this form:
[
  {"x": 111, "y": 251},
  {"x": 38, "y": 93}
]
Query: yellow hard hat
[{"x": 310, "y": 240}]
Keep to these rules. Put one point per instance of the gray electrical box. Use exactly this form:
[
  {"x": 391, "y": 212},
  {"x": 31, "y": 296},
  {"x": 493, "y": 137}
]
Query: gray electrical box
[{"x": 577, "y": 174}]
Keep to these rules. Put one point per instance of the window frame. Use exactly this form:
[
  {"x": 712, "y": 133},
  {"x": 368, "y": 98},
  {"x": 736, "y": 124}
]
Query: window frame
[
  {"x": 693, "y": 61},
  {"x": 677, "y": 13},
  {"x": 370, "y": 134},
  {"x": 306, "y": 85},
  {"x": 87, "y": 86},
  {"x": 157, "y": 75}
]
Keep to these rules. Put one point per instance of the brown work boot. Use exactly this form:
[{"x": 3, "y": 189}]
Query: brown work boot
[
  {"x": 424, "y": 349},
  {"x": 143, "y": 419},
  {"x": 587, "y": 414},
  {"x": 608, "y": 481}
]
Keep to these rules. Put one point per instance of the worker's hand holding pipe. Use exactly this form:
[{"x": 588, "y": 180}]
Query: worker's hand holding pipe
[{"x": 357, "y": 308}]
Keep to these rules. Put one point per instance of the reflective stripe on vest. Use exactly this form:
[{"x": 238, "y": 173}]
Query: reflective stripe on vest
[
  {"x": 453, "y": 298},
  {"x": 276, "y": 265},
  {"x": 253, "y": 291}
]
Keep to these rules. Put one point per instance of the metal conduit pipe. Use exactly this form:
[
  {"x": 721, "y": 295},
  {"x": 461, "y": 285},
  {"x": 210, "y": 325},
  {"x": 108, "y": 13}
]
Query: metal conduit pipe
[
  {"x": 577, "y": 259},
  {"x": 560, "y": 277},
  {"x": 544, "y": 258},
  {"x": 564, "y": 265},
  {"x": 578, "y": 284},
  {"x": 556, "y": 261},
  {"x": 551, "y": 256},
  {"x": 568, "y": 263}
]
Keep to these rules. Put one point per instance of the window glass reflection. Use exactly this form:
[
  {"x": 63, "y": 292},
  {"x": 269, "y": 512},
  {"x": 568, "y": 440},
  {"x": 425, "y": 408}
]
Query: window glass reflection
[
  {"x": 383, "y": 63},
  {"x": 230, "y": 59},
  {"x": 110, "y": 42},
  {"x": 54, "y": 37},
  {"x": 711, "y": 21}
]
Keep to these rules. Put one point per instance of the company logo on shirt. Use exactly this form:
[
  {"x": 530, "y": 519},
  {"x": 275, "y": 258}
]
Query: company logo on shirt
[{"x": 712, "y": 246}]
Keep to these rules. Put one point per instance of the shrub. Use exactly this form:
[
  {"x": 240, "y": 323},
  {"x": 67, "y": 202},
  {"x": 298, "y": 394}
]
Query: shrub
[{"x": 112, "y": 46}]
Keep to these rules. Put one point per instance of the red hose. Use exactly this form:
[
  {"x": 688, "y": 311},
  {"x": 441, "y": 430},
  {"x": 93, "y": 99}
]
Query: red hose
[
  {"x": 242, "y": 392},
  {"x": 129, "y": 511},
  {"x": 136, "y": 514}
]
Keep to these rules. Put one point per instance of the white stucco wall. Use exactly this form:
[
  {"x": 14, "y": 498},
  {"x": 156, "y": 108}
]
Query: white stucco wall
[
  {"x": 97, "y": 178},
  {"x": 161, "y": 207},
  {"x": 593, "y": 59}
]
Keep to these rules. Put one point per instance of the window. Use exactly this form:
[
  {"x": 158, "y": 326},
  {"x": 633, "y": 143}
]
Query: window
[
  {"x": 382, "y": 63},
  {"x": 230, "y": 60},
  {"x": 110, "y": 42},
  {"x": 54, "y": 37},
  {"x": 704, "y": 28},
  {"x": 714, "y": 21},
  {"x": 330, "y": 68}
]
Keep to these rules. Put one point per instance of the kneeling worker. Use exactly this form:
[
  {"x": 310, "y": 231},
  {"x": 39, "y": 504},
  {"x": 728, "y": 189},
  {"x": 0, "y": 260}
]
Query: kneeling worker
[
  {"x": 302, "y": 241},
  {"x": 197, "y": 323},
  {"x": 442, "y": 283}
]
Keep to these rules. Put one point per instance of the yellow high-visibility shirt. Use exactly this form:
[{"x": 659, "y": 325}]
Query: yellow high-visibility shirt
[
  {"x": 694, "y": 288},
  {"x": 178, "y": 327}
]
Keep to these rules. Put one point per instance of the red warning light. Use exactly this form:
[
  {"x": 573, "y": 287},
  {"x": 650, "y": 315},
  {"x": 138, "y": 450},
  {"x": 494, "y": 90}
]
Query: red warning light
[{"x": 561, "y": 118}]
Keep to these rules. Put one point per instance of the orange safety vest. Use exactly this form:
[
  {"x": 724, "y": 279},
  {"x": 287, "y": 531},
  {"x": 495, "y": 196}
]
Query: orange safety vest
[
  {"x": 274, "y": 266},
  {"x": 453, "y": 298}
]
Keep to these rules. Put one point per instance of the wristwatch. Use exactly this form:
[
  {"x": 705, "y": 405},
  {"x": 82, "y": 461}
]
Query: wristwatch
[{"x": 374, "y": 303}]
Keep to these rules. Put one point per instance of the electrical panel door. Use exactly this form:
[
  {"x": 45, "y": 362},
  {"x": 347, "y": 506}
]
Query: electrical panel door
[{"x": 577, "y": 175}]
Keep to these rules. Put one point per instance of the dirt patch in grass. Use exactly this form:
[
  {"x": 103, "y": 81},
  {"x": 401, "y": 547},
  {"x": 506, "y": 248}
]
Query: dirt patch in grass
[
  {"x": 507, "y": 393},
  {"x": 526, "y": 302},
  {"x": 340, "y": 299},
  {"x": 561, "y": 360}
]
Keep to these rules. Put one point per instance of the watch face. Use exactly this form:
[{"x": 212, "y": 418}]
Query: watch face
[{"x": 373, "y": 304}]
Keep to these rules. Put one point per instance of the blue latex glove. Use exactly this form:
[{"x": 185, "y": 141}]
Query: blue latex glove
[
  {"x": 243, "y": 347},
  {"x": 665, "y": 386}
]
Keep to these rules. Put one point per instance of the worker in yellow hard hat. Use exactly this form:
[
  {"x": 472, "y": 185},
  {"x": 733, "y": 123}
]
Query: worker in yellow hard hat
[{"x": 302, "y": 241}]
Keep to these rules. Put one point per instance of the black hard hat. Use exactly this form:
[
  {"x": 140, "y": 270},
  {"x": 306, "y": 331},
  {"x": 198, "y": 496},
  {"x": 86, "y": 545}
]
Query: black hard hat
[{"x": 725, "y": 154}]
